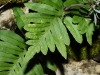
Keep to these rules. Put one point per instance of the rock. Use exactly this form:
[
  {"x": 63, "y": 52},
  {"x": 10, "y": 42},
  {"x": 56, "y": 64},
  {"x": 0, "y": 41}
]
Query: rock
[
  {"x": 97, "y": 69},
  {"x": 7, "y": 20},
  {"x": 83, "y": 67}
]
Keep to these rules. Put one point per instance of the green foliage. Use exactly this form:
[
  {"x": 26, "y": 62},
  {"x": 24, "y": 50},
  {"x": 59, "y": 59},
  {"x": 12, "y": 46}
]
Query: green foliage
[
  {"x": 48, "y": 29},
  {"x": 48, "y": 25},
  {"x": 37, "y": 69},
  {"x": 73, "y": 29},
  {"x": 12, "y": 49},
  {"x": 51, "y": 24}
]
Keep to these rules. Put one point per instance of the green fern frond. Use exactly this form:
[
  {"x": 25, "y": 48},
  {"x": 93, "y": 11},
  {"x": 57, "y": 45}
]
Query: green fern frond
[
  {"x": 12, "y": 52},
  {"x": 73, "y": 29},
  {"x": 12, "y": 48},
  {"x": 47, "y": 29},
  {"x": 42, "y": 8},
  {"x": 84, "y": 26},
  {"x": 37, "y": 69}
]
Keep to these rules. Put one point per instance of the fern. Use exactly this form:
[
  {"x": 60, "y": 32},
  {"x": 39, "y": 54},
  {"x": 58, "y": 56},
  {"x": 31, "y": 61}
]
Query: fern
[
  {"x": 47, "y": 29},
  {"x": 37, "y": 69},
  {"x": 84, "y": 26},
  {"x": 12, "y": 49}
]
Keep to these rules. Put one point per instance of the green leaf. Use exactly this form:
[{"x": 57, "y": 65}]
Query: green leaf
[
  {"x": 36, "y": 18},
  {"x": 51, "y": 66},
  {"x": 68, "y": 2},
  {"x": 59, "y": 44},
  {"x": 36, "y": 27},
  {"x": 58, "y": 2},
  {"x": 73, "y": 29},
  {"x": 76, "y": 19},
  {"x": 63, "y": 31},
  {"x": 89, "y": 33},
  {"x": 10, "y": 36},
  {"x": 9, "y": 48},
  {"x": 42, "y": 8},
  {"x": 18, "y": 12},
  {"x": 4, "y": 73},
  {"x": 82, "y": 26},
  {"x": 11, "y": 52},
  {"x": 43, "y": 46},
  {"x": 38, "y": 69},
  {"x": 31, "y": 72},
  {"x": 50, "y": 42},
  {"x": 30, "y": 53},
  {"x": 53, "y": 3},
  {"x": 40, "y": 32}
]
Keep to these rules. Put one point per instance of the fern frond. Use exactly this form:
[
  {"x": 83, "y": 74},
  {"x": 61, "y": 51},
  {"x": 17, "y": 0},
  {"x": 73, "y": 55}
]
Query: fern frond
[
  {"x": 42, "y": 8},
  {"x": 84, "y": 26},
  {"x": 17, "y": 13},
  {"x": 73, "y": 29},
  {"x": 46, "y": 35},
  {"x": 47, "y": 29},
  {"x": 12, "y": 48},
  {"x": 12, "y": 51}
]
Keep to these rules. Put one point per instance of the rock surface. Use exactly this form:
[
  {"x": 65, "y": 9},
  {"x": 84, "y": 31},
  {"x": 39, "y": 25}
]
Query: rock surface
[
  {"x": 7, "y": 20},
  {"x": 83, "y": 67}
]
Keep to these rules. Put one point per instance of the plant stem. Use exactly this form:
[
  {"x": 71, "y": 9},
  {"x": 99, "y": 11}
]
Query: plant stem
[{"x": 67, "y": 8}]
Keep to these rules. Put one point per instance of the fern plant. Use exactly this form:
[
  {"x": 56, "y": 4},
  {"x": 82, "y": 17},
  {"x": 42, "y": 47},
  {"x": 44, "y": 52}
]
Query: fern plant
[
  {"x": 51, "y": 22},
  {"x": 12, "y": 49},
  {"x": 48, "y": 26}
]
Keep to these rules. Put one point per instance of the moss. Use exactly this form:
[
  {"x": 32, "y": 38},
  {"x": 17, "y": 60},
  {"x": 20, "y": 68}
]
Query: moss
[
  {"x": 85, "y": 51},
  {"x": 12, "y": 1}
]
